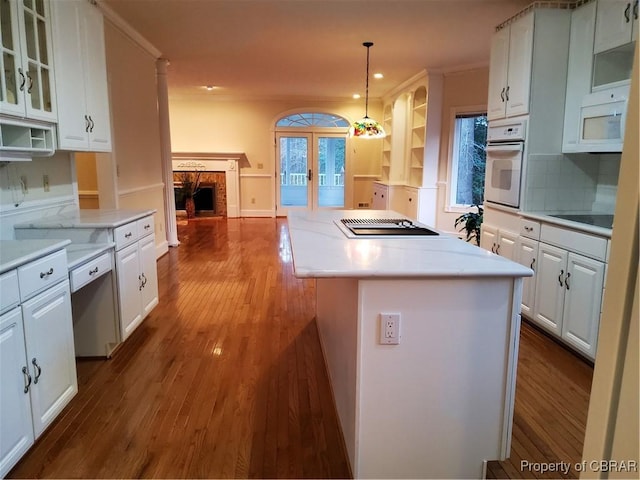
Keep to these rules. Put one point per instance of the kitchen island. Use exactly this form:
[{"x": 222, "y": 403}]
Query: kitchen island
[{"x": 440, "y": 402}]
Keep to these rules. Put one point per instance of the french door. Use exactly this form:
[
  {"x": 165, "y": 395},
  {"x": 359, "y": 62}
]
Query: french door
[{"x": 310, "y": 170}]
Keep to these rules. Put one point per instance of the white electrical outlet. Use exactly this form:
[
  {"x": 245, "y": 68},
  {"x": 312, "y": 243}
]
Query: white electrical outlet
[{"x": 389, "y": 328}]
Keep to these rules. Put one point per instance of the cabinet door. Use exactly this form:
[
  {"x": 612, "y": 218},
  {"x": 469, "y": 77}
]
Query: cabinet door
[
  {"x": 527, "y": 255},
  {"x": 498, "y": 74},
  {"x": 519, "y": 71},
  {"x": 73, "y": 126},
  {"x": 129, "y": 288},
  {"x": 506, "y": 246},
  {"x": 488, "y": 237},
  {"x": 16, "y": 428},
  {"x": 149, "y": 274},
  {"x": 583, "y": 299},
  {"x": 614, "y": 23},
  {"x": 96, "y": 79},
  {"x": 11, "y": 96},
  {"x": 411, "y": 205},
  {"x": 549, "y": 299},
  {"x": 48, "y": 329},
  {"x": 380, "y": 197},
  {"x": 636, "y": 24}
]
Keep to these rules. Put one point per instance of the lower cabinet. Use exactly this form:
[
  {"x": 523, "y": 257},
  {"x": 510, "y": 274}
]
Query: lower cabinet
[
  {"x": 568, "y": 296},
  {"x": 499, "y": 241},
  {"x": 37, "y": 369},
  {"x": 380, "y": 196},
  {"x": 527, "y": 255},
  {"x": 137, "y": 282}
]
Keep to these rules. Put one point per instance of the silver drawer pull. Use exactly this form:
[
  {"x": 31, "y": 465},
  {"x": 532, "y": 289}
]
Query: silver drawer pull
[
  {"x": 38, "y": 370},
  {"x": 46, "y": 274},
  {"x": 94, "y": 271},
  {"x": 147, "y": 226},
  {"x": 128, "y": 235},
  {"x": 27, "y": 378}
]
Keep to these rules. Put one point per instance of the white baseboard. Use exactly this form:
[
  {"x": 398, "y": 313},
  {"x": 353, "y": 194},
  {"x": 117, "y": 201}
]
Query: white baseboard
[
  {"x": 162, "y": 248},
  {"x": 257, "y": 213}
]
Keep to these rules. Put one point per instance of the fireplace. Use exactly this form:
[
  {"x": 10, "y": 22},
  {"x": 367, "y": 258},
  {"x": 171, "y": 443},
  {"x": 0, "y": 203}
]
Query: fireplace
[{"x": 211, "y": 198}]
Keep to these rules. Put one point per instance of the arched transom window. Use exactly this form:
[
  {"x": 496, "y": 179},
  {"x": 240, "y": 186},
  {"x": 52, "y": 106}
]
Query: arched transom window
[{"x": 312, "y": 119}]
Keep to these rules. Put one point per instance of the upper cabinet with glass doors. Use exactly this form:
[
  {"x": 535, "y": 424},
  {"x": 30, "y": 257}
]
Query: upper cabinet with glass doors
[{"x": 26, "y": 83}]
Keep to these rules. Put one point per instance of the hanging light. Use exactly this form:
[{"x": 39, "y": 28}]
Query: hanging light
[{"x": 367, "y": 127}]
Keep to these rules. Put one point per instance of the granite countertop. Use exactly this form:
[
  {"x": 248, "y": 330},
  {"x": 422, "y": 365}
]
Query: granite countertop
[
  {"x": 321, "y": 249},
  {"x": 14, "y": 253},
  {"x": 79, "y": 253},
  {"x": 546, "y": 217},
  {"x": 101, "y": 218}
]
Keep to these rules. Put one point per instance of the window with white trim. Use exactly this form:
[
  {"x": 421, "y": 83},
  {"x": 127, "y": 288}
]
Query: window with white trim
[{"x": 468, "y": 157}]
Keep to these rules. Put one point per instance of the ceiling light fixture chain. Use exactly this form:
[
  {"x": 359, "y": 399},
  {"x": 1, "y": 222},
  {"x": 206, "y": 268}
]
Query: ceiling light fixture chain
[{"x": 367, "y": 127}]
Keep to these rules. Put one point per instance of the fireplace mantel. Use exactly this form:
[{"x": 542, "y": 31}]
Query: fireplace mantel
[{"x": 229, "y": 163}]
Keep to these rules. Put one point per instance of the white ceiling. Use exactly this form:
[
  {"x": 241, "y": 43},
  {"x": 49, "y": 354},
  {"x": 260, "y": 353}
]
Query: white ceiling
[{"x": 312, "y": 48}]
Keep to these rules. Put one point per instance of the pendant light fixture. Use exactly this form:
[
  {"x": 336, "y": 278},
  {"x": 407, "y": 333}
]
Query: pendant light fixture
[{"x": 367, "y": 127}]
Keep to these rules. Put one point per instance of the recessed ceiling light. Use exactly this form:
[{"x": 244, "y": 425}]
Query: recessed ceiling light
[
  {"x": 356, "y": 96},
  {"x": 378, "y": 75},
  {"x": 209, "y": 87}
]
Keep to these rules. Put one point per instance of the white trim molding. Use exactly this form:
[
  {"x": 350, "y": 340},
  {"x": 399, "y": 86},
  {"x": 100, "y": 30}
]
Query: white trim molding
[
  {"x": 144, "y": 188},
  {"x": 258, "y": 213}
]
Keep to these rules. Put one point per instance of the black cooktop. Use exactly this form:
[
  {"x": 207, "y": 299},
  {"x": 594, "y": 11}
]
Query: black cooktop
[
  {"x": 385, "y": 227},
  {"x": 604, "y": 221}
]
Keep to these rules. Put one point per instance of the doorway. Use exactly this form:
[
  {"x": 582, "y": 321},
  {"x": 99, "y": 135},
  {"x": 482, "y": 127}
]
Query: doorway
[{"x": 310, "y": 170}]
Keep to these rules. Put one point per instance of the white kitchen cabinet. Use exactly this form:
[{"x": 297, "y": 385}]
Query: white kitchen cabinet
[
  {"x": 16, "y": 427},
  {"x": 510, "y": 69},
  {"x": 48, "y": 330},
  {"x": 81, "y": 76},
  {"x": 616, "y": 24},
  {"x": 136, "y": 273},
  {"x": 380, "y": 196},
  {"x": 27, "y": 86},
  {"x": 568, "y": 296},
  {"x": 37, "y": 356},
  {"x": 499, "y": 241},
  {"x": 527, "y": 255}
]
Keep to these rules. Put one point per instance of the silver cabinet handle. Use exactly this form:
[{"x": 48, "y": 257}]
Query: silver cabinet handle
[
  {"x": 566, "y": 280},
  {"x": 506, "y": 94},
  {"x": 128, "y": 235},
  {"x": 498, "y": 249},
  {"x": 635, "y": 10},
  {"x": 86, "y": 123},
  {"x": 502, "y": 94},
  {"x": 533, "y": 262},
  {"x": 30, "y": 83},
  {"x": 560, "y": 277},
  {"x": 46, "y": 274},
  {"x": 147, "y": 226},
  {"x": 27, "y": 378},
  {"x": 94, "y": 271},
  {"x": 144, "y": 281},
  {"x": 91, "y": 124},
  {"x": 38, "y": 370},
  {"x": 140, "y": 285}
]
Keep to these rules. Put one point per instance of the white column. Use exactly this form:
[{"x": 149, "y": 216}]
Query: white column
[{"x": 165, "y": 153}]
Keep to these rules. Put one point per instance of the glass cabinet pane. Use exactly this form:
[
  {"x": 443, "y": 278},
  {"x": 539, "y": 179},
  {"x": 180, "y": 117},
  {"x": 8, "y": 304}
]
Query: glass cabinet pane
[
  {"x": 5, "y": 25},
  {"x": 42, "y": 42},
  {"x": 30, "y": 35},
  {"x": 10, "y": 90},
  {"x": 33, "y": 86},
  {"x": 46, "y": 90}
]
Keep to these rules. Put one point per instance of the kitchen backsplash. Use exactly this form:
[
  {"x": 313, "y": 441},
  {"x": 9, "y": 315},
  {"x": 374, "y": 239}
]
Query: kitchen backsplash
[{"x": 575, "y": 182}]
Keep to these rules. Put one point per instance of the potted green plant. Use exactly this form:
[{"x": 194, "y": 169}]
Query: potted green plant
[{"x": 470, "y": 224}]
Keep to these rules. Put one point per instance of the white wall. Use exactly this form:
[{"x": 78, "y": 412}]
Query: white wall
[
  {"x": 135, "y": 129},
  {"x": 206, "y": 123},
  {"x": 461, "y": 89}
]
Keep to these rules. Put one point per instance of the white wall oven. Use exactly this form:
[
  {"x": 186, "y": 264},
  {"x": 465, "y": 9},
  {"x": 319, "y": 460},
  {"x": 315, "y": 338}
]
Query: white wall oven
[{"x": 505, "y": 154}]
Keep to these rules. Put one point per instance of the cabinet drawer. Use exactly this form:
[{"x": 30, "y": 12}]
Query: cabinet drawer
[
  {"x": 145, "y": 226},
  {"x": 530, "y": 229},
  {"x": 578, "y": 242},
  {"x": 91, "y": 270},
  {"x": 125, "y": 235},
  {"x": 9, "y": 291},
  {"x": 42, "y": 273}
]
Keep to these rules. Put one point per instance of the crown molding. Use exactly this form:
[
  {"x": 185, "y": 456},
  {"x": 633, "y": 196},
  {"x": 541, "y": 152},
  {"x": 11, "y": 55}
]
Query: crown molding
[{"x": 122, "y": 25}]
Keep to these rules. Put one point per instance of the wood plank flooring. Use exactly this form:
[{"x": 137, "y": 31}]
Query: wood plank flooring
[{"x": 225, "y": 378}]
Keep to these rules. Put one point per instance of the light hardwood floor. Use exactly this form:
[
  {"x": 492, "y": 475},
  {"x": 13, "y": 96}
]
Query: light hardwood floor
[{"x": 225, "y": 378}]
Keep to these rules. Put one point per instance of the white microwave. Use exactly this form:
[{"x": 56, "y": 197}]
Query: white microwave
[{"x": 602, "y": 118}]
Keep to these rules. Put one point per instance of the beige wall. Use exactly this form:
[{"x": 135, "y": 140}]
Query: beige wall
[
  {"x": 202, "y": 123},
  {"x": 461, "y": 89},
  {"x": 135, "y": 128},
  {"x": 87, "y": 180}
]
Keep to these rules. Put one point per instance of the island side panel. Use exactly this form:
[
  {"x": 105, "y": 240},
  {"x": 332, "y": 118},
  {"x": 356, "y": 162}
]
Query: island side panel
[
  {"x": 337, "y": 319},
  {"x": 436, "y": 404}
]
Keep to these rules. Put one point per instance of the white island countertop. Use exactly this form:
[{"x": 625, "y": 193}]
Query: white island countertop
[
  {"x": 321, "y": 250},
  {"x": 100, "y": 218}
]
